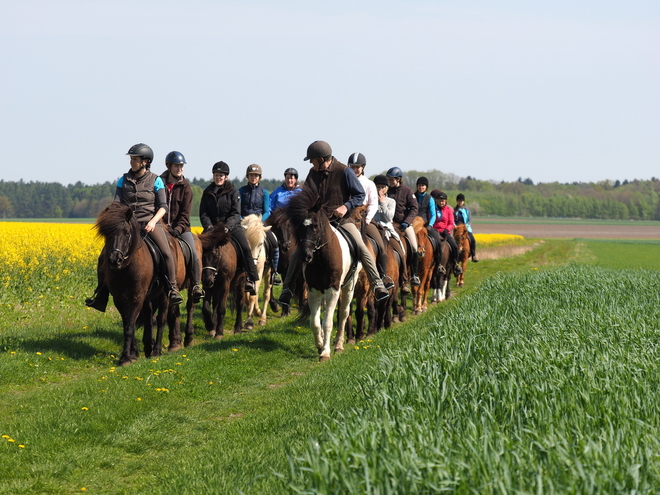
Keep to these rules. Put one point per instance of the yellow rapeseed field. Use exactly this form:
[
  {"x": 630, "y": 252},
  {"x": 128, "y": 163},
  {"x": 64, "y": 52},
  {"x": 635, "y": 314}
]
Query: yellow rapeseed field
[{"x": 50, "y": 253}]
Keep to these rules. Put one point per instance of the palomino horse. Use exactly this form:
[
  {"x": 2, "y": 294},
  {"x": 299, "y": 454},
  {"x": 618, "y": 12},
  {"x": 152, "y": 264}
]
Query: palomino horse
[
  {"x": 427, "y": 266},
  {"x": 127, "y": 268},
  {"x": 461, "y": 236},
  {"x": 327, "y": 264},
  {"x": 256, "y": 236}
]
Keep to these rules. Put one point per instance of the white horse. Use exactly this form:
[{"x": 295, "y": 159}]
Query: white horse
[{"x": 256, "y": 236}]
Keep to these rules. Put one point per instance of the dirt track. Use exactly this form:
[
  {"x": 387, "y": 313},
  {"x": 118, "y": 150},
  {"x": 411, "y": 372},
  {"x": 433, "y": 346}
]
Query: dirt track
[{"x": 569, "y": 231}]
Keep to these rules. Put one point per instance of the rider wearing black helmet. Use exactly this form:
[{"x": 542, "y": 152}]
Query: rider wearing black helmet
[
  {"x": 337, "y": 187},
  {"x": 221, "y": 204},
  {"x": 255, "y": 200},
  {"x": 444, "y": 224},
  {"x": 280, "y": 196},
  {"x": 406, "y": 211},
  {"x": 144, "y": 192},
  {"x": 179, "y": 204}
]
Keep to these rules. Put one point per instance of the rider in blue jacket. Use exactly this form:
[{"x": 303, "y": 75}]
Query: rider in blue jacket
[{"x": 462, "y": 215}]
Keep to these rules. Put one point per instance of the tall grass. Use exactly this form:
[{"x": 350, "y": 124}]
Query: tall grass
[{"x": 542, "y": 382}]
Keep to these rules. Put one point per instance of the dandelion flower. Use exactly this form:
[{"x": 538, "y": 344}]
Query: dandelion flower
[{"x": 85, "y": 408}]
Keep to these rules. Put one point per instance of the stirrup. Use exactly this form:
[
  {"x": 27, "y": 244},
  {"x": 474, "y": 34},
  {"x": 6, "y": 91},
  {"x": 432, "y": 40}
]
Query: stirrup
[
  {"x": 380, "y": 292},
  {"x": 275, "y": 279},
  {"x": 414, "y": 281},
  {"x": 285, "y": 297},
  {"x": 197, "y": 293},
  {"x": 174, "y": 296},
  {"x": 250, "y": 287},
  {"x": 474, "y": 259},
  {"x": 442, "y": 269},
  {"x": 458, "y": 270},
  {"x": 388, "y": 282}
]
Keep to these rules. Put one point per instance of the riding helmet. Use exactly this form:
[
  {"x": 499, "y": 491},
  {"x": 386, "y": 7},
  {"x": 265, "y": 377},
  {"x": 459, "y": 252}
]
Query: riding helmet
[
  {"x": 423, "y": 180},
  {"x": 221, "y": 167},
  {"x": 394, "y": 172},
  {"x": 291, "y": 171},
  {"x": 380, "y": 180},
  {"x": 438, "y": 194},
  {"x": 253, "y": 169},
  {"x": 318, "y": 149},
  {"x": 460, "y": 197},
  {"x": 175, "y": 157},
  {"x": 142, "y": 150},
  {"x": 357, "y": 159}
]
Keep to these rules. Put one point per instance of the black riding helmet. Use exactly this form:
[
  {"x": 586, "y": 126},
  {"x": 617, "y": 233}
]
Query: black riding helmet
[
  {"x": 357, "y": 159},
  {"x": 175, "y": 157},
  {"x": 221, "y": 167},
  {"x": 381, "y": 180},
  {"x": 291, "y": 171},
  {"x": 142, "y": 150}
]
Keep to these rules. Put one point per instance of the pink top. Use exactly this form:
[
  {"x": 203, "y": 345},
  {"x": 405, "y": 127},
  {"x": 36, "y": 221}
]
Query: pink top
[{"x": 445, "y": 219}]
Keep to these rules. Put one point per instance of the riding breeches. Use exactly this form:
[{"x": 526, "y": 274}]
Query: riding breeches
[
  {"x": 374, "y": 233},
  {"x": 473, "y": 243},
  {"x": 189, "y": 239},
  {"x": 412, "y": 238},
  {"x": 238, "y": 233},
  {"x": 158, "y": 236},
  {"x": 275, "y": 255},
  {"x": 365, "y": 256},
  {"x": 452, "y": 243}
]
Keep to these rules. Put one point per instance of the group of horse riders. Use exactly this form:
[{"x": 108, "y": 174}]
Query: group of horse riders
[{"x": 165, "y": 201}]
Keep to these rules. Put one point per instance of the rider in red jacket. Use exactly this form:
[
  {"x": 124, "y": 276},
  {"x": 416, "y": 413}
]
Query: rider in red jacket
[{"x": 444, "y": 224}]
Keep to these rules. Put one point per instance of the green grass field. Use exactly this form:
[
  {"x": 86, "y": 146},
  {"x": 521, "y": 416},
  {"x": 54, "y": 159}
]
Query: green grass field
[{"x": 538, "y": 377}]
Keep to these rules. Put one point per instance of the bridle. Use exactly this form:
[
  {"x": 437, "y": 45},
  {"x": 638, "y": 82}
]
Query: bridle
[{"x": 123, "y": 255}]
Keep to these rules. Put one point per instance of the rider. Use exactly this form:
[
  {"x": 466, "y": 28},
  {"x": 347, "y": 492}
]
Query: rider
[
  {"x": 406, "y": 211},
  {"x": 280, "y": 196},
  {"x": 427, "y": 210},
  {"x": 256, "y": 201},
  {"x": 337, "y": 187},
  {"x": 357, "y": 162},
  {"x": 220, "y": 204},
  {"x": 144, "y": 192},
  {"x": 179, "y": 203},
  {"x": 462, "y": 215},
  {"x": 383, "y": 217},
  {"x": 444, "y": 224}
]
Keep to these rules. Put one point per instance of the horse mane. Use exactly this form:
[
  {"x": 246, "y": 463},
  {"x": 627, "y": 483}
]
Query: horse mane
[
  {"x": 215, "y": 237},
  {"x": 254, "y": 230},
  {"x": 418, "y": 224},
  {"x": 301, "y": 205},
  {"x": 112, "y": 220},
  {"x": 460, "y": 230}
]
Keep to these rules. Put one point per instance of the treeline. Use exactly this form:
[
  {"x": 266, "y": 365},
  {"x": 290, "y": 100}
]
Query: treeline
[{"x": 634, "y": 200}]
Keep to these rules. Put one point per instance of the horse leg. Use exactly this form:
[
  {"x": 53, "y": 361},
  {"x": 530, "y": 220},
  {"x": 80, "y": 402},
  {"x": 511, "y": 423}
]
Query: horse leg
[
  {"x": 220, "y": 309},
  {"x": 161, "y": 322},
  {"x": 174, "y": 325},
  {"x": 350, "y": 333},
  {"x": 130, "y": 351},
  {"x": 251, "y": 302},
  {"x": 342, "y": 315},
  {"x": 208, "y": 313},
  {"x": 238, "y": 325},
  {"x": 314, "y": 302},
  {"x": 268, "y": 293},
  {"x": 190, "y": 327}
]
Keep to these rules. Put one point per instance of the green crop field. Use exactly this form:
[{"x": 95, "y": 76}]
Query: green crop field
[{"x": 538, "y": 377}]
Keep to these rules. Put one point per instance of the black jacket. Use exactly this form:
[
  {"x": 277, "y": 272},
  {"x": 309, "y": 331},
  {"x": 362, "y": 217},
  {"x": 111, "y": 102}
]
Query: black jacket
[{"x": 222, "y": 206}]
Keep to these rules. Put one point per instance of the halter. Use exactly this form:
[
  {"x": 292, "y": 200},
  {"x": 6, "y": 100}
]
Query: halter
[{"x": 124, "y": 256}]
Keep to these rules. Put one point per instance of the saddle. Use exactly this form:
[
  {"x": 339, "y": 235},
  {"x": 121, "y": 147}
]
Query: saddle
[
  {"x": 353, "y": 250},
  {"x": 159, "y": 265}
]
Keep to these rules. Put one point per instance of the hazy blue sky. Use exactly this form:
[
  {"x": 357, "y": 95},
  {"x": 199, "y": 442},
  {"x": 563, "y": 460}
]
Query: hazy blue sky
[{"x": 555, "y": 91}]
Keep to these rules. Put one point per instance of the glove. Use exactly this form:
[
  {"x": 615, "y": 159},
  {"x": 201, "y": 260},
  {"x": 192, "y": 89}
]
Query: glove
[
  {"x": 173, "y": 232},
  {"x": 445, "y": 232},
  {"x": 404, "y": 225}
]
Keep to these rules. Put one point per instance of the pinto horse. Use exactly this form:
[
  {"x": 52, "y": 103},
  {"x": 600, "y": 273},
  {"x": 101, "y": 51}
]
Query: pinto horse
[
  {"x": 127, "y": 268},
  {"x": 327, "y": 264},
  {"x": 463, "y": 241}
]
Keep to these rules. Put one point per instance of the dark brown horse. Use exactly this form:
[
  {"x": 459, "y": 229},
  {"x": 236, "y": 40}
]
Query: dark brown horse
[
  {"x": 463, "y": 241},
  {"x": 221, "y": 275},
  {"x": 285, "y": 232},
  {"x": 127, "y": 268}
]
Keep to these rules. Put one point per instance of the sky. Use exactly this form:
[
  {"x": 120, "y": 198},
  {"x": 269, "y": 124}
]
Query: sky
[{"x": 560, "y": 91}]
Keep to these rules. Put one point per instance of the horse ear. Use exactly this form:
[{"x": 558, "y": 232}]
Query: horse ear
[
  {"x": 267, "y": 229},
  {"x": 244, "y": 226}
]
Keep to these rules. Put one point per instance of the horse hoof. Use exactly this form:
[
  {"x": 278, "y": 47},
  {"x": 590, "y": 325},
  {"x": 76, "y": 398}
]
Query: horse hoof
[
  {"x": 322, "y": 359},
  {"x": 402, "y": 319},
  {"x": 212, "y": 333},
  {"x": 351, "y": 341},
  {"x": 188, "y": 342},
  {"x": 417, "y": 312},
  {"x": 125, "y": 362},
  {"x": 247, "y": 326},
  {"x": 174, "y": 348},
  {"x": 262, "y": 323},
  {"x": 218, "y": 337},
  {"x": 339, "y": 351}
]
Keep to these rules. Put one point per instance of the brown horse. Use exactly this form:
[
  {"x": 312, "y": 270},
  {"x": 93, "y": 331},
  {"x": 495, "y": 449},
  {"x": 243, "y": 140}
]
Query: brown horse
[
  {"x": 427, "y": 266},
  {"x": 221, "y": 275},
  {"x": 127, "y": 268},
  {"x": 463, "y": 241}
]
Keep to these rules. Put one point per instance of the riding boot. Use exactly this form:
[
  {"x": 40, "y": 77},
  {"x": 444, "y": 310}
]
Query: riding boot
[
  {"x": 250, "y": 287},
  {"x": 381, "y": 264},
  {"x": 99, "y": 301},
  {"x": 414, "y": 280}
]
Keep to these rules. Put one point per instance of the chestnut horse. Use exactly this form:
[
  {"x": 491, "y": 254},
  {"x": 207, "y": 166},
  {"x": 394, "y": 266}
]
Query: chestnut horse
[
  {"x": 127, "y": 268},
  {"x": 327, "y": 264},
  {"x": 463, "y": 241},
  {"x": 427, "y": 266}
]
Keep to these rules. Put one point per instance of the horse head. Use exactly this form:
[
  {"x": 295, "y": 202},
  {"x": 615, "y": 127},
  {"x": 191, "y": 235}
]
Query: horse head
[
  {"x": 255, "y": 232},
  {"x": 212, "y": 240},
  {"x": 121, "y": 231},
  {"x": 311, "y": 222}
]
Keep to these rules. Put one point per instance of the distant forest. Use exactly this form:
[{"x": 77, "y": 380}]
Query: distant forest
[{"x": 615, "y": 200}]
